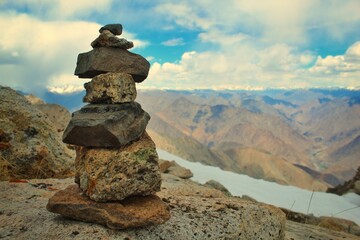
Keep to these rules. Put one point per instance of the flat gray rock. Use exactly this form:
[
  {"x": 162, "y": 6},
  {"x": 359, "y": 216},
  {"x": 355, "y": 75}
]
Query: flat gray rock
[
  {"x": 106, "y": 59},
  {"x": 110, "y": 88},
  {"x": 107, "y": 39},
  {"x": 106, "y": 125},
  {"x": 115, "y": 28}
]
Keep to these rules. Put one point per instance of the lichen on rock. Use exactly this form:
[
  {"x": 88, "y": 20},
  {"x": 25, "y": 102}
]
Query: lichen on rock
[
  {"x": 30, "y": 146},
  {"x": 114, "y": 174}
]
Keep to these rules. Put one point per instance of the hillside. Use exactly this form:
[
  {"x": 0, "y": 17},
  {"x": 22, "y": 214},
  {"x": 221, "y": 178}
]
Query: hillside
[
  {"x": 263, "y": 165},
  {"x": 303, "y": 131}
]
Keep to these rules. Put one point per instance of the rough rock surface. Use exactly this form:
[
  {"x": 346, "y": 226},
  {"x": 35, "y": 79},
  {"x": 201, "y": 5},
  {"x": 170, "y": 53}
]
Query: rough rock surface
[
  {"x": 216, "y": 185},
  {"x": 34, "y": 99},
  {"x": 114, "y": 174},
  {"x": 30, "y": 146},
  {"x": 107, "y": 39},
  {"x": 129, "y": 213},
  {"x": 175, "y": 169},
  {"x": 106, "y": 125},
  {"x": 353, "y": 185},
  {"x": 298, "y": 231},
  {"x": 197, "y": 212},
  {"x": 115, "y": 28},
  {"x": 332, "y": 223},
  {"x": 57, "y": 114},
  {"x": 105, "y": 59},
  {"x": 110, "y": 88}
]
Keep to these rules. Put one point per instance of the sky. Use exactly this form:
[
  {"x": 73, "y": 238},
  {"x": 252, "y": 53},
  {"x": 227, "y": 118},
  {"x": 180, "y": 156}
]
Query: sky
[{"x": 197, "y": 44}]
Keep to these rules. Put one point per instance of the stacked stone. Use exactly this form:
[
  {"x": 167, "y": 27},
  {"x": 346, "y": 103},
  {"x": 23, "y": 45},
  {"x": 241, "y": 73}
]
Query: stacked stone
[{"x": 116, "y": 160}]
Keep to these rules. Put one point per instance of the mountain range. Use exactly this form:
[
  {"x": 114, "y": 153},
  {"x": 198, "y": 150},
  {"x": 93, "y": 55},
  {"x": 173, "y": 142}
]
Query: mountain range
[{"x": 308, "y": 138}]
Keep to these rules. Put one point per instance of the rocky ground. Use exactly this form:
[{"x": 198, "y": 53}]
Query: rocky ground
[
  {"x": 30, "y": 143},
  {"x": 197, "y": 212},
  {"x": 353, "y": 185}
]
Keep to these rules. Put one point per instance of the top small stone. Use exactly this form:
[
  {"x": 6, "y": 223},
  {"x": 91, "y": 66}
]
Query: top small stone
[{"x": 115, "y": 29}]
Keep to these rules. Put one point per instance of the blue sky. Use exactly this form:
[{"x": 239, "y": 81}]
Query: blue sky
[{"x": 199, "y": 44}]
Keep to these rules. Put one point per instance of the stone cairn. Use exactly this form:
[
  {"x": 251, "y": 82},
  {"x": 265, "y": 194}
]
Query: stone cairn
[{"x": 117, "y": 171}]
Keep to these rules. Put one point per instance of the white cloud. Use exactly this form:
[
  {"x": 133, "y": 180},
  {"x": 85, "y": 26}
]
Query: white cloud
[
  {"x": 65, "y": 83},
  {"x": 67, "y": 89},
  {"x": 282, "y": 57},
  {"x": 345, "y": 66},
  {"x": 184, "y": 14},
  {"x": 255, "y": 44},
  {"x": 44, "y": 49},
  {"x": 247, "y": 67},
  {"x": 66, "y": 8},
  {"x": 223, "y": 39},
  {"x": 37, "y": 52},
  {"x": 275, "y": 21},
  {"x": 59, "y": 9},
  {"x": 174, "y": 42},
  {"x": 353, "y": 53}
]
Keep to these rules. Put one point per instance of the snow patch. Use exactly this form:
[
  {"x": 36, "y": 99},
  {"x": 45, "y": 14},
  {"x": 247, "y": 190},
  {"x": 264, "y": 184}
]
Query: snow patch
[{"x": 296, "y": 199}]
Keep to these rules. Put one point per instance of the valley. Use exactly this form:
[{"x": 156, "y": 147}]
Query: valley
[{"x": 305, "y": 138}]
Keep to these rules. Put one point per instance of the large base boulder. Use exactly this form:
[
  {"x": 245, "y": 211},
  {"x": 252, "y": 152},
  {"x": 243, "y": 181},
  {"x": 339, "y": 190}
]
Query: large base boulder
[
  {"x": 114, "y": 174},
  {"x": 92, "y": 63},
  {"x": 106, "y": 125},
  {"x": 129, "y": 213}
]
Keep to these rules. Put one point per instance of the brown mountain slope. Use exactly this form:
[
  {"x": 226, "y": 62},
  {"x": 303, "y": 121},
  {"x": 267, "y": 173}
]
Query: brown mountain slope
[
  {"x": 345, "y": 159},
  {"x": 303, "y": 127},
  {"x": 332, "y": 121},
  {"x": 260, "y": 164},
  {"x": 170, "y": 139},
  {"x": 249, "y": 161},
  {"x": 213, "y": 125}
]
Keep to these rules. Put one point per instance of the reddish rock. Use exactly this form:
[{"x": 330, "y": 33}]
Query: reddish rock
[
  {"x": 129, "y": 213},
  {"x": 106, "y": 59}
]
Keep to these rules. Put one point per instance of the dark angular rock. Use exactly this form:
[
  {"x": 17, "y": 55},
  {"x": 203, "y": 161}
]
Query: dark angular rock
[
  {"x": 129, "y": 213},
  {"x": 106, "y": 59},
  {"x": 115, "y": 29},
  {"x": 106, "y": 125}
]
